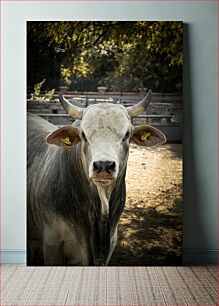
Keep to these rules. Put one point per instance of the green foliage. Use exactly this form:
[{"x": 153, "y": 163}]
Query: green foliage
[
  {"x": 37, "y": 88},
  {"x": 36, "y": 95},
  {"x": 49, "y": 95},
  {"x": 121, "y": 55}
]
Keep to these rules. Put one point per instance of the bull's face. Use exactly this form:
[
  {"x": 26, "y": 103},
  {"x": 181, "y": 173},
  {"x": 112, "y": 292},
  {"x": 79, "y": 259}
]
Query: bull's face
[{"x": 105, "y": 133}]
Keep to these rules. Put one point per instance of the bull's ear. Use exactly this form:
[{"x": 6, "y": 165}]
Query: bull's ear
[
  {"x": 65, "y": 137},
  {"x": 147, "y": 136}
]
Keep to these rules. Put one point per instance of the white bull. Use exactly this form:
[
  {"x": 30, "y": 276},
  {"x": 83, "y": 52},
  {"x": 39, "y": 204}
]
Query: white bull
[{"x": 85, "y": 184}]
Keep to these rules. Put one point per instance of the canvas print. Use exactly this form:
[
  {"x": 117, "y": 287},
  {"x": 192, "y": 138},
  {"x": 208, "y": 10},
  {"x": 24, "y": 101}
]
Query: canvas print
[{"x": 104, "y": 143}]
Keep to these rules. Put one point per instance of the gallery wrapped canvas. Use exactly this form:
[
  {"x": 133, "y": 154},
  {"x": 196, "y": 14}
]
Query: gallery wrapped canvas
[{"x": 104, "y": 143}]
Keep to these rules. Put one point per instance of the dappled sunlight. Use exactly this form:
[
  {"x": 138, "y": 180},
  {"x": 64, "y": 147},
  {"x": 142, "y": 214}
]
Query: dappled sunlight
[{"x": 150, "y": 229}]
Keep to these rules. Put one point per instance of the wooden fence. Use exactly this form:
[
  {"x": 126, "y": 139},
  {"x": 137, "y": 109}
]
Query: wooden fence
[{"x": 164, "y": 112}]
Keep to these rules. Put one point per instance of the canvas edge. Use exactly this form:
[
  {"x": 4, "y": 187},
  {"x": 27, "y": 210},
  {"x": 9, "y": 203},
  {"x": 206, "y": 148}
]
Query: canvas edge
[{"x": 190, "y": 257}]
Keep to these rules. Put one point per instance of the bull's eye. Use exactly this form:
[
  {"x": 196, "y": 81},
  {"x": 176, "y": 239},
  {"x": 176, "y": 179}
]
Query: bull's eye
[
  {"x": 126, "y": 136},
  {"x": 83, "y": 136}
]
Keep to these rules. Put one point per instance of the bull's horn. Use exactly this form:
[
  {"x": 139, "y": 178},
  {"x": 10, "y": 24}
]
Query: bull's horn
[
  {"x": 137, "y": 109},
  {"x": 74, "y": 111}
]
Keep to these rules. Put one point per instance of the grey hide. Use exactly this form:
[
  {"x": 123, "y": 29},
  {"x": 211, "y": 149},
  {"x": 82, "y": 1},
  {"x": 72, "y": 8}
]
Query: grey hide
[{"x": 64, "y": 207}]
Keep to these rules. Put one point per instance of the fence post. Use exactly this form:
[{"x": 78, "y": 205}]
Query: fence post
[
  {"x": 86, "y": 101},
  {"x": 101, "y": 90}
]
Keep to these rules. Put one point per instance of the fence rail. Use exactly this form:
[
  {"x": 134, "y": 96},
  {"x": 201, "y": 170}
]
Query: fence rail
[
  {"x": 165, "y": 110},
  {"x": 117, "y": 96}
]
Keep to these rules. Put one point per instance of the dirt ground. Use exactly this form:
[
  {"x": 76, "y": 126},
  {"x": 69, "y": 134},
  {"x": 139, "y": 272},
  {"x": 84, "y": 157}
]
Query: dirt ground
[{"x": 150, "y": 229}]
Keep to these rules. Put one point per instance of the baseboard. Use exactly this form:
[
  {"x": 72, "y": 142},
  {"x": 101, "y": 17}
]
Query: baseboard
[
  {"x": 200, "y": 257},
  {"x": 193, "y": 257},
  {"x": 13, "y": 256}
]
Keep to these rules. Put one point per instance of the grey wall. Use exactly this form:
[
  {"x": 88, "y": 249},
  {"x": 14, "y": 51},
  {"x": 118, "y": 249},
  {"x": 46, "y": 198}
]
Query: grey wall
[{"x": 200, "y": 120}]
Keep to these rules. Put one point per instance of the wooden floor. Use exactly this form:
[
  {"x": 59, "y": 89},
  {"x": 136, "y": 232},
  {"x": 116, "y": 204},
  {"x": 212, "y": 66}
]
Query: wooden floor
[{"x": 23, "y": 285}]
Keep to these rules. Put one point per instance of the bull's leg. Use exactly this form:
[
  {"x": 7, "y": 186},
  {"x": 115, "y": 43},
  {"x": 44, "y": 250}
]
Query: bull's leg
[
  {"x": 112, "y": 245},
  {"x": 53, "y": 247},
  {"x": 53, "y": 254}
]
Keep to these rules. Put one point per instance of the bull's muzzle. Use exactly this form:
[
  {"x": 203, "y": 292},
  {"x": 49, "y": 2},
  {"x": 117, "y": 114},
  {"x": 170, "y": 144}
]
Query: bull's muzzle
[
  {"x": 103, "y": 171},
  {"x": 104, "y": 166}
]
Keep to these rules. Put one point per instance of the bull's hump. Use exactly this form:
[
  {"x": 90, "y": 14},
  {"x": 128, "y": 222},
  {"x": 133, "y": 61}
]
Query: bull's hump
[{"x": 39, "y": 124}]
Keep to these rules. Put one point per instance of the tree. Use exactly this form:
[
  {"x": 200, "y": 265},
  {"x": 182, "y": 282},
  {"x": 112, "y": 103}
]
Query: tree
[{"x": 147, "y": 52}]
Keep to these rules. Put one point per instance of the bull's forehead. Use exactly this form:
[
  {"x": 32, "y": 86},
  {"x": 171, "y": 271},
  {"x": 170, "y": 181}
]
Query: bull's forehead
[{"x": 107, "y": 117}]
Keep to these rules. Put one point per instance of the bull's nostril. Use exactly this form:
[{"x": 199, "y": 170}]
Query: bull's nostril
[
  {"x": 97, "y": 166},
  {"x": 111, "y": 167}
]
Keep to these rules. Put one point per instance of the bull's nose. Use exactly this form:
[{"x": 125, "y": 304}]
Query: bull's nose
[{"x": 104, "y": 166}]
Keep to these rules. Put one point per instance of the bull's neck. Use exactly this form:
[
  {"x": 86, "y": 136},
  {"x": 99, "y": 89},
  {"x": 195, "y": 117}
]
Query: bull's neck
[{"x": 104, "y": 194}]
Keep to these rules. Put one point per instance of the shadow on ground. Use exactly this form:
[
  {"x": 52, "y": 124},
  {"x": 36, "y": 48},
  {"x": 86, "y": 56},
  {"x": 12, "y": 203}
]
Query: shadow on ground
[{"x": 151, "y": 236}]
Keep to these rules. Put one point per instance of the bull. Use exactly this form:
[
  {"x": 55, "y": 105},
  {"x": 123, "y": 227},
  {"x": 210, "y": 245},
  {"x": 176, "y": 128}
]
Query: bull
[{"x": 76, "y": 181}]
